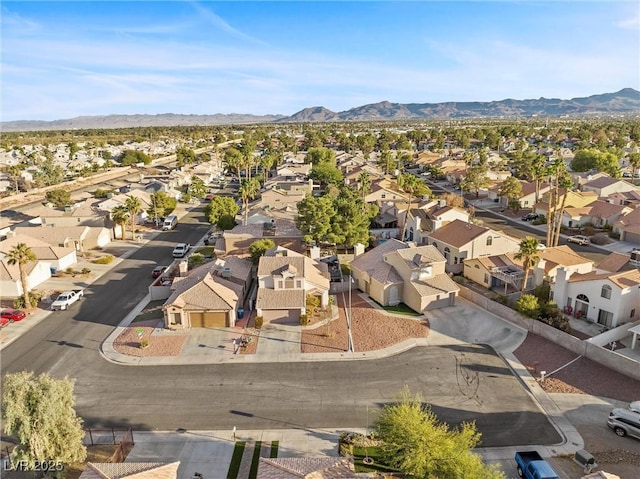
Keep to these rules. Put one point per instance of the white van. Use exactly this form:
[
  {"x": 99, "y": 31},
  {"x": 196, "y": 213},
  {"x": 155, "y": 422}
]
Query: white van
[{"x": 170, "y": 222}]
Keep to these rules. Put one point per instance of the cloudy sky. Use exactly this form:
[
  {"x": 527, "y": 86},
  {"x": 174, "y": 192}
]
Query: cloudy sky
[{"x": 66, "y": 59}]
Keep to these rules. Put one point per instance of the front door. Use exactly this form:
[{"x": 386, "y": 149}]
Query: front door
[{"x": 605, "y": 318}]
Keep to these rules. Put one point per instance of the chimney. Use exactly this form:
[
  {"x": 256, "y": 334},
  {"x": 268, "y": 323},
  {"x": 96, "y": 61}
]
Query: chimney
[
  {"x": 183, "y": 268},
  {"x": 358, "y": 249},
  {"x": 442, "y": 203},
  {"x": 314, "y": 252}
]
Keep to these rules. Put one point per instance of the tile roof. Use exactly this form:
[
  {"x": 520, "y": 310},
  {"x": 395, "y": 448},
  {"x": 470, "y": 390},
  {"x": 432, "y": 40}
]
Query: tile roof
[
  {"x": 307, "y": 468},
  {"x": 624, "y": 279},
  {"x": 614, "y": 262},
  {"x": 458, "y": 233},
  {"x": 54, "y": 234},
  {"x": 373, "y": 258},
  {"x": 122, "y": 470},
  {"x": 601, "y": 182},
  {"x": 280, "y": 298},
  {"x": 414, "y": 257},
  {"x": 284, "y": 228},
  {"x": 439, "y": 284},
  {"x": 602, "y": 209},
  {"x": 561, "y": 256},
  {"x": 313, "y": 271},
  {"x": 12, "y": 272}
]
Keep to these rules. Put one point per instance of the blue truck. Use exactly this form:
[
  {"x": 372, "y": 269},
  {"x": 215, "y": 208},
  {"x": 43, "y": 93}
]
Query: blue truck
[{"x": 532, "y": 466}]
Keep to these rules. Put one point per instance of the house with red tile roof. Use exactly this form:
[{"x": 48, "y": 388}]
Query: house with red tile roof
[
  {"x": 130, "y": 470},
  {"x": 285, "y": 279},
  {"x": 460, "y": 240},
  {"x": 598, "y": 213},
  {"x": 307, "y": 468},
  {"x": 628, "y": 226},
  {"x": 396, "y": 272}
]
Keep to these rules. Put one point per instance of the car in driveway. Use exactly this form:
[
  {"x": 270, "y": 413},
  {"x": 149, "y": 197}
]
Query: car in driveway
[
  {"x": 530, "y": 217},
  {"x": 11, "y": 316},
  {"x": 578, "y": 239},
  {"x": 157, "y": 271}
]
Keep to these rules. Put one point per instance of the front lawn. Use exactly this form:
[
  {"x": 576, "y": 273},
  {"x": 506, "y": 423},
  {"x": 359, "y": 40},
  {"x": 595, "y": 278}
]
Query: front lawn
[
  {"x": 401, "y": 309},
  {"x": 373, "y": 452}
]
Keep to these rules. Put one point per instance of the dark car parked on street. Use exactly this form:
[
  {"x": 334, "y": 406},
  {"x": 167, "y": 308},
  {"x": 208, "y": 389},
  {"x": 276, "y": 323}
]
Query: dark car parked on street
[{"x": 530, "y": 217}]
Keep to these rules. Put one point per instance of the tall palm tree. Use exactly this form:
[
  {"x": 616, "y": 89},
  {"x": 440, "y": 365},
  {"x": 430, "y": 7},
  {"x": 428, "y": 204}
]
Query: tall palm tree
[
  {"x": 566, "y": 183},
  {"x": 364, "y": 181},
  {"x": 247, "y": 191},
  {"x": 22, "y": 255},
  {"x": 411, "y": 185},
  {"x": 120, "y": 216},
  {"x": 133, "y": 206},
  {"x": 529, "y": 255}
]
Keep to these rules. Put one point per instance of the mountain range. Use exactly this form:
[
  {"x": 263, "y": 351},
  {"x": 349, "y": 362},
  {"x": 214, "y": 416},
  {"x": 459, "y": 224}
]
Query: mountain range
[{"x": 623, "y": 102}]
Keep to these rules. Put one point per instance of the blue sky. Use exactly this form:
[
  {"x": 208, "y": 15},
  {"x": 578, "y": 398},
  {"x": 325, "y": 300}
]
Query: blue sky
[{"x": 67, "y": 59}]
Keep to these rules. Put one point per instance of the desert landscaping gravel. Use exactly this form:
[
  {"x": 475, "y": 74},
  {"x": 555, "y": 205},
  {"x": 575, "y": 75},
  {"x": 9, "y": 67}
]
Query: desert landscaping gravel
[{"x": 166, "y": 344}]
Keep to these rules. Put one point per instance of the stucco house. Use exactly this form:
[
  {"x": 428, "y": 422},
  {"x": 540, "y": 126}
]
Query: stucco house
[
  {"x": 56, "y": 257},
  {"x": 528, "y": 197},
  {"x": 575, "y": 199},
  {"x": 80, "y": 238},
  {"x": 285, "y": 279},
  {"x": 431, "y": 217},
  {"x": 83, "y": 213},
  {"x": 609, "y": 299},
  {"x": 460, "y": 240},
  {"x": 605, "y": 185},
  {"x": 282, "y": 231},
  {"x": 209, "y": 296},
  {"x": 628, "y": 226},
  {"x": 396, "y": 272},
  {"x": 598, "y": 213}
]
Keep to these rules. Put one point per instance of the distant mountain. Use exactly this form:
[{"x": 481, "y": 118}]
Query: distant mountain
[
  {"x": 132, "y": 121},
  {"x": 625, "y": 102}
]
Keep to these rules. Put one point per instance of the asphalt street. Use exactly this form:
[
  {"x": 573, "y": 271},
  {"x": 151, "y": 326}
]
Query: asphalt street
[{"x": 462, "y": 383}]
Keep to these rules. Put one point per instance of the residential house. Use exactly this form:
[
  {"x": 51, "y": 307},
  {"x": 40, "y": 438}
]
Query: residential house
[
  {"x": 55, "y": 256},
  {"x": 609, "y": 299},
  {"x": 575, "y": 199},
  {"x": 384, "y": 190},
  {"x": 528, "y": 197},
  {"x": 605, "y": 186},
  {"x": 598, "y": 213},
  {"x": 285, "y": 279},
  {"x": 460, "y": 240},
  {"x": 84, "y": 213},
  {"x": 119, "y": 200},
  {"x": 552, "y": 259},
  {"x": 626, "y": 198},
  {"x": 307, "y": 468},
  {"x": 580, "y": 179},
  {"x": 501, "y": 272},
  {"x": 628, "y": 226},
  {"x": 616, "y": 262},
  {"x": 80, "y": 238},
  {"x": 209, "y": 296},
  {"x": 283, "y": 232},
  {"x": 430, "y": 217},
  {"x": 293, "y": 172},
  {"x": 131, "y": 470},
  {"x": 396, "y": 272}
]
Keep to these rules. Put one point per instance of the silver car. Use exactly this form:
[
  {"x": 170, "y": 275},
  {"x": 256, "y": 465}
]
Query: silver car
[
  {"x": 624, "y": 422},
  {"x": 579, "y": 239}
]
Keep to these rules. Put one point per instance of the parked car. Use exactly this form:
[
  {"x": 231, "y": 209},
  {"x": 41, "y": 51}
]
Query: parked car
[
  {"x": 157, "y": 271},
  {"x": 624, "y": 422},
  {"x": 4, "y": 322},
  {"x": 530, "y": 217},
  {"x": 532, "y": 466},
  {"x": 578, "y": 239},
  {"x": 11, "y": 315},
  {"x": 635, "y": 406},
  {"x": 66, "y": 299},
  {"x": 181, "y": 250},
  {"x": 212, "y": 237}
]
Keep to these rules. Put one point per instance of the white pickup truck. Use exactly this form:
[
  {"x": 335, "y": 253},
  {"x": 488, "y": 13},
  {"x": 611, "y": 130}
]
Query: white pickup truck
[{"x": 66, "y": 299}]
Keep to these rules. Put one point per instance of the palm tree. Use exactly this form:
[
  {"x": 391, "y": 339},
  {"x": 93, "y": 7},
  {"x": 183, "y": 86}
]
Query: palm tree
[
  {"x": 133, "y": 206},
  {"x": 247, "y": 191},
  {"x": 364, "y": 181},
  {"x": 529, "y": 255},
  {"x": 22, "y": 255},
  {"x": 566, "y": 183},
  {"x": 120, "y": 215},
  {"x": 411, "y": 185}
]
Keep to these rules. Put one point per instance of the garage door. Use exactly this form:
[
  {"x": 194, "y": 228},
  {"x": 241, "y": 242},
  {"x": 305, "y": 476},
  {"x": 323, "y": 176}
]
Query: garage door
[
  {"x": 211, "y": 319},
  {"x": 282, "y": 316}
]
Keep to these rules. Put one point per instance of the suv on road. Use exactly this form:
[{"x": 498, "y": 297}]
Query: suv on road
[
  {"x": 181, "y": 250},
  {"x": 578, "y": 239},
  {"x": 624, "y": 422}
]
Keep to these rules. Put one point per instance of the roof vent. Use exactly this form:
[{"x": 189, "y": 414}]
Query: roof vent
[{"x": 226, "y": 272}]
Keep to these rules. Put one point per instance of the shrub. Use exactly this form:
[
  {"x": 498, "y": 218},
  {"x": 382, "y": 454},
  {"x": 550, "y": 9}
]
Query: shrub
[
  {"x": 588, "y": 230},
  {"x": 614, "y": 235},
  {"x": 34, "y": 299},
  {"x": 542, "y": 292},
  {"x": 85, "y": 271},
  {"x": 556, "y": 319},
  {"x": 599, "y": 240},
  {"x": 259, "y": 321},
  {"x": 528, "y": 305},
  {"x": 501, "y": 298},
  {"x": 312, "y": 303},
  {"x": 103, "y": 259},
  {"x": 196, "y": 259},
  {"x": 607, "y": 227},
  {"x": 144, "y": 343},
  {"x": 69, "y": 270},
  {"x": 304, "y": 320}
]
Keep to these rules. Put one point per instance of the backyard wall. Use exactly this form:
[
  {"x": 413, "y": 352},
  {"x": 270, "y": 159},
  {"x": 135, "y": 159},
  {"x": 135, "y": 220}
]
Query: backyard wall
[{"x": 590, "y": 349}]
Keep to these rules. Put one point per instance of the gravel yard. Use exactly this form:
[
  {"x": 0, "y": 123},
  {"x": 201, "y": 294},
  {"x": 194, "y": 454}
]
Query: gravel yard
[
  {"x": 166, "y": 344},
  {"x": 371, "y": 329}
]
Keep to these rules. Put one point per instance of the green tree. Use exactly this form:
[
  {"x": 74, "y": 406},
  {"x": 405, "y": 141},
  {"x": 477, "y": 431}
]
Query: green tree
[
  {"x": 325, "y": 173},
  {"x": 38, "y": 411},
  {"x": 321, "y": 155},
  {"x": 634, "y": 161},
  {"x": 258, "y": 248},
  {"x": 49, "y": 174},
  {"x": 591, "y": 158},
  {"x": 248, "y": 190},
  {"x": 221, "y": 206},
  {"x": 22, "y": 255},
  {"x": 315, "y": 216},
  {"x": 197, "y": 188},
  {"x": 226, "y": 222},
  {"x": 475, "y": 179},
  {"x": 234, "y": 160},
  {"x": 364, "y": 184},
  {"x": 134, "y": 207},
  {"x": 529, "y": 255},
  {"x": 511, "y": 189},
  {"x": 350, "y": 224},
  {"x": 528, "y": 305},
  {"x": 120, "y": 215},
  {"x": 132, "y": 157},
  {"x": 58, "y": 197},
  {"x": 420, "y": 446},
  {"x": 185, "y": 156}
]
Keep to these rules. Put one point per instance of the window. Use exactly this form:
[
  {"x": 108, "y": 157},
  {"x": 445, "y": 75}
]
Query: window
[
  {"x": 489, "y": 240},
  {"x": 486, "y": 279},
  {"x": 455, "y": 260},
  {"x": 606, "y": 292},
  {"x": 447, "y": 253},
  {"x": 434, "y": 244},
  {"x": 476, "y": 266},
  {"x": 299, "y": 283},
  {"x": 383, "y": 195}
]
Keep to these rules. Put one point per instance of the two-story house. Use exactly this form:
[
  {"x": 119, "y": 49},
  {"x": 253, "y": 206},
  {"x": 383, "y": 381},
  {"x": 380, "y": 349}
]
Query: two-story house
[
  {"x": 285, "y": 279},
  {"x": 429, "y": 218},
  {"x": 396, "y": 272},
  {"x": 460, "y": 240}
]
